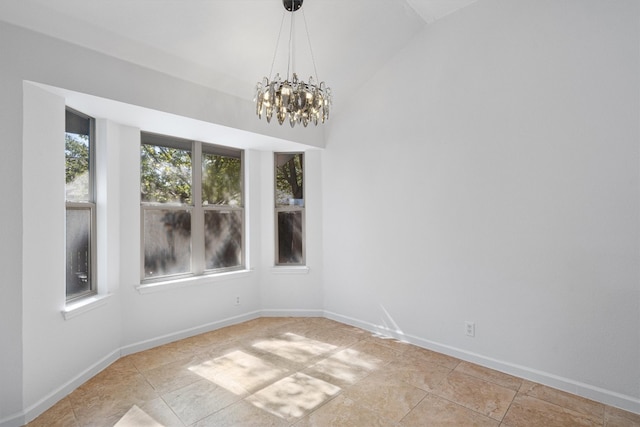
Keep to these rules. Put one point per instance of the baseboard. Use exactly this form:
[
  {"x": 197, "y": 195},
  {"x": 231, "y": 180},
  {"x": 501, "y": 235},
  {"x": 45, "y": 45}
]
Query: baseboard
[
  {"x": 31, "y": 412},
  {"x": 283, "y": 312},
  {"x": 186, "y": 333},
  {"x": 608, "y": 397},
  {"x": 15, "y": 420}
]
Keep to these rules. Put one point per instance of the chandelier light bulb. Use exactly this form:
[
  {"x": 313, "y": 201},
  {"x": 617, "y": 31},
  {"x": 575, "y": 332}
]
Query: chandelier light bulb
[{"x": 295, "y": 101}]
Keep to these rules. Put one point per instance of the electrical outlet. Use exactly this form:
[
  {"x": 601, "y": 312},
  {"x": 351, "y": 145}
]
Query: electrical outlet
[
  {"x": 237, "y": 300},
  {"x": 470, "y": 329}
]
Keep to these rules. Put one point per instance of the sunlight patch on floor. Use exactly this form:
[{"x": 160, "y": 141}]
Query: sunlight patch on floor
[
  {"x": 348, "y": 365},
  {"x": 294, "y": 347},
  {"x": 238, "y": 372},
  {"x": 294, "y": 396},
  {"x": 136, "y": 417}
]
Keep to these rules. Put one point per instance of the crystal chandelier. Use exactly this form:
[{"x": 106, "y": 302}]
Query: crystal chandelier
[{"x": 293, "y": 99}]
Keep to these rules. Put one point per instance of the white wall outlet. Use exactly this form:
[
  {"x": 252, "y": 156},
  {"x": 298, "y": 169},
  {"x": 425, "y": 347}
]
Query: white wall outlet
[
  {"x": 237, "y": 300},
  {"x": 470, "y": 329}
]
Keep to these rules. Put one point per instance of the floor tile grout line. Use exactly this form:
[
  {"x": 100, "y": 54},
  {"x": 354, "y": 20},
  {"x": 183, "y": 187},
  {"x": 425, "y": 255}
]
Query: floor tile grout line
[
  {"x": 318, "y": 407},
  {"x": 416, "y": 405},
  {"x": 564, "y": 408},
  {"x": 174, "y": 412},
  {"x": 509, "y": 407},
  {"x": 466, "y": 407},
  {"x": 73, "y": 410},
  {"x": 489, "y": 380}
]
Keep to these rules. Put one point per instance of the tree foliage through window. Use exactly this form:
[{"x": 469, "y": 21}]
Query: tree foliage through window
[
  {"x": 221, "y": 180},
  {"x": 165, "y": 174},
  {"x": 170, "y": 183}
]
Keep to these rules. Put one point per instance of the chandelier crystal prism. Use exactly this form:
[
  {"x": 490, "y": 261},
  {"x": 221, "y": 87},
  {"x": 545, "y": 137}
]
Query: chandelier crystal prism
[{"x": 293, "y": 99}]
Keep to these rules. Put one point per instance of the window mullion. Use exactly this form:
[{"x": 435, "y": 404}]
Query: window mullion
[{"x": 197, "y": 219}]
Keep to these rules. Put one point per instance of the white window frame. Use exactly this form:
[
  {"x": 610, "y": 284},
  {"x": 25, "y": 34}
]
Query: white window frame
[
  {"x": 289, "y": 208},
  {"x": 89, "y": 205},
  {"x": 196, "y": 208}
]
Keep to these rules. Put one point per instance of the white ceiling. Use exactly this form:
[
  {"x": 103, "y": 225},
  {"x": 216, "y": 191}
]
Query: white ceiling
[{"x": 229, "y": 44}]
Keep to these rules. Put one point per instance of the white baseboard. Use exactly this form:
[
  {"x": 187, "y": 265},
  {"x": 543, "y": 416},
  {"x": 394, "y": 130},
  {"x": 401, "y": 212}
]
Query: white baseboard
[
  {"x": 186, "y": 333},
  {"x": 30, "y": 413},
  {"x": 15, "y": 420},
  {"x": 277, "y": 312},
  {"x": 608, "y": 397}
]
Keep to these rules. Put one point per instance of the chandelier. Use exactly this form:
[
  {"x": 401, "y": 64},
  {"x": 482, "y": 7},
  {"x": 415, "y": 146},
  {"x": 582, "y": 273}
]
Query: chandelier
[{"x": 293, "y": 99}]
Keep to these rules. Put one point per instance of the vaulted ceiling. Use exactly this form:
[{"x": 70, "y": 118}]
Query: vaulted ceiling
[{"x": 230, "y": 44}]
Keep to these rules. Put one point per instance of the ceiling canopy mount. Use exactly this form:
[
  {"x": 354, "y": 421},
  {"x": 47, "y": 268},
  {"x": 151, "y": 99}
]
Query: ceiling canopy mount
[{"x": 292, "y": 5}]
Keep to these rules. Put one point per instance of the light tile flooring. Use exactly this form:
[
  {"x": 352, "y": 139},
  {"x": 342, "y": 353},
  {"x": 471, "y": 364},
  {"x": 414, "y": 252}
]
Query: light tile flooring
[{"x": 313, "y": 372}]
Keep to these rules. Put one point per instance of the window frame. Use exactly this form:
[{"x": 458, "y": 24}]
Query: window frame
[
  {"x": 197, "y": 263},
  {"x": 289, "y": 208},
  {"x": 89, "y": 205}
]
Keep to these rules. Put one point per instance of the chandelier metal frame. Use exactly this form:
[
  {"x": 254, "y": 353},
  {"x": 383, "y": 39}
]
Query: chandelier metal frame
[{"x": 293, "y": 99}]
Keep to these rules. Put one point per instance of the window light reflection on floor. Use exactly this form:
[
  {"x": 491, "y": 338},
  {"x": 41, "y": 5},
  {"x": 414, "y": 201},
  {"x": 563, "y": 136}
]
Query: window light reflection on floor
[
  {"x": 238, "y": 372},
  {"x": 137, "y": 417},
  {"x": 252, "y": 377},
  {"x": 294, "y": 347},
  {"x": 294, "y": 396},
  {"x": 348, "y": 365}
]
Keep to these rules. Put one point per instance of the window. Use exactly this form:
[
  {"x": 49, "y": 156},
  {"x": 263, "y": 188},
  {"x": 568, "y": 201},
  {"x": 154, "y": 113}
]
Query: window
[
  {"x": 289, "y": 208},
  {"x": 192, "y": 207},
  {"x": 80, "y": 206}
]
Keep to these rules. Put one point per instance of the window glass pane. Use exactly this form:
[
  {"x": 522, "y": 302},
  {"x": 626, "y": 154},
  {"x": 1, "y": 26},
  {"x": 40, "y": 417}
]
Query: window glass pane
[
  {"x": 167, "y": 242},
  {"x": 221, "y": 180},
  {"x": 223, "y": 238},
  {"x": 290, "y": 237},
  {"x": 165, "y": 174},
  {"x": 78, "y": 256},
  {"x": 289, "y": 179},
  {"x": 77, "y": 162}
]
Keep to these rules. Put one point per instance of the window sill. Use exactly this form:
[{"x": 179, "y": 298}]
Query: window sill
[
  {"x": 283, "y": 269},
  {"x": 86, "y": 304},
  {"x": 147, "y": 288}
]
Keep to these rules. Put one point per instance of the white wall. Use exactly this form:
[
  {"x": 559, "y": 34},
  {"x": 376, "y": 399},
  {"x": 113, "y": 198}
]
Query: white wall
[
  {"x": 285, "y": 290},
  {"x": 43, "y": 355},
  {"x": 11, "y": 366},
  {"x": 41, "y": 242},
  {"x": 56, "y": 350},
  {"x": 489, "y": 173}
]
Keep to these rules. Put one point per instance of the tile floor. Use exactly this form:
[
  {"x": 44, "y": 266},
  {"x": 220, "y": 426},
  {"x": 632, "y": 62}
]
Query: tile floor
[{"x": 313, "y": 372}]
